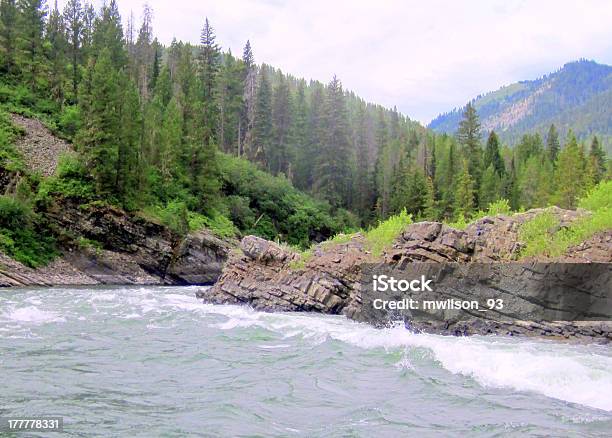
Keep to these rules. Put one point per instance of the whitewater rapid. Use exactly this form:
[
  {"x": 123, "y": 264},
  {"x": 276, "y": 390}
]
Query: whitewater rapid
[{"x": 172, "y": 320}]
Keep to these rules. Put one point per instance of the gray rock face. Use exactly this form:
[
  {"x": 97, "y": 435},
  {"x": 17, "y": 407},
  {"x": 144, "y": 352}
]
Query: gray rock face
[{"x": 265, "y": 275}]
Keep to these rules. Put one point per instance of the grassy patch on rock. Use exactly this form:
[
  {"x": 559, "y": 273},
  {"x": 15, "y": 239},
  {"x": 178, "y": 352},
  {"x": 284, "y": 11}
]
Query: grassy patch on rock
[{"x": 543, "y": 236}]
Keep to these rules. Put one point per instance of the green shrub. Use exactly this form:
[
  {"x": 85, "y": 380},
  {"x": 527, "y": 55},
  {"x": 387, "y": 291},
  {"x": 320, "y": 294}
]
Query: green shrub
[
  {"x": 538, "y": 234},
  {"x": 72, "y": 181},
  {"x": 501, "y": 206},
  {"x": 599, "y": 197},
  {"x": 20, "y": 236},
  {"x": 69, "y": 121},
  {"x": 219, "y": 224},
  {"x": 382, "y": 236},
  {"x": 174, "y": 215}
]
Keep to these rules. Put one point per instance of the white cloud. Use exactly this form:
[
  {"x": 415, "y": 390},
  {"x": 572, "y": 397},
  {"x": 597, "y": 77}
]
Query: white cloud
[{"x": 426, "y": 57}]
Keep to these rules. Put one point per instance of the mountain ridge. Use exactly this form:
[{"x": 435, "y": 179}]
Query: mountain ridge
[{"x": 577, "y": 96}]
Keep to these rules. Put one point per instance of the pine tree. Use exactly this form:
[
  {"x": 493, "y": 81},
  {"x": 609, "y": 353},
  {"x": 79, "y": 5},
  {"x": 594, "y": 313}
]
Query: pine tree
[
  {"x": 280, "y": 151},
  {"x": 299, "y": 138},
  {"x": 209, "y": 68},
  {"x": 73, "y": 19},
  {"x": 56, "y": 51},
  {"x": 363, "y": 183},
  {"x": 552, "y": 144},
  {"x": 598, "y": 158},
  {"x": 128, "y": 169},
  {"x": 468, "y": 136},
  {"x": 229, "y": 94},
  {"x": 108, "y": 34},
  {"x": 249, "y": 82},
  {"x": 332, "y": 171},
  {"x": 31, "y": 24},
  {"x": 569, "y": 175},
  {"x": 8, "y": 36},
  {"x": 100, "y": 136},
  {"x": 144, "y": 53},
  {"x": 492, "y": 155},
  {"x": 464, "y": 194},
  {"x": 262, "y": 125},
  {"x": 490, "y": 187}
]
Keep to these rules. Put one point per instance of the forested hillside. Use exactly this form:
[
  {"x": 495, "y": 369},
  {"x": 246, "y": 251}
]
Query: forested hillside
[
  {"x": 576, "y": 97},
  {"x": 195, "y": 136}
]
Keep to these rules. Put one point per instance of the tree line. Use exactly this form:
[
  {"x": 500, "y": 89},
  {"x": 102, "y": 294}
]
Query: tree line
[{"x": 149, "y": 121}]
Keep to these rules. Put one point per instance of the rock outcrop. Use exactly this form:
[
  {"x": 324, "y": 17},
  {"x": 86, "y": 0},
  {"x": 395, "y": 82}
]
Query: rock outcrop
[
  {"x": 104, "y": 245},
  {"x": 267, "y": 276}
]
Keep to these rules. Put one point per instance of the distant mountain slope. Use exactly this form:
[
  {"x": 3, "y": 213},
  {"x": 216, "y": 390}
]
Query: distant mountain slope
[{"x": 578, "y": 96}]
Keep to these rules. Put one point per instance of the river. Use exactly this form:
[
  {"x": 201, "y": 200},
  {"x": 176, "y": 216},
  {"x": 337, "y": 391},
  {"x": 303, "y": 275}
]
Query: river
[{"x": 155, "y": 361}]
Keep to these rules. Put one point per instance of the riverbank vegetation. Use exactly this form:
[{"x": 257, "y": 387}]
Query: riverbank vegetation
[
  {"x": 543, "y": 235},
  {"x": 192, "y": 136}
]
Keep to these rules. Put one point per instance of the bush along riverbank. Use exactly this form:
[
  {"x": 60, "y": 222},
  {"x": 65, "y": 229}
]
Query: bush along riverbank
[{"x": 495, "y": 251}]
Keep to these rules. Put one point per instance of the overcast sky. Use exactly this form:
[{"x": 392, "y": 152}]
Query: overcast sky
[{"x": 425, "y": 56}]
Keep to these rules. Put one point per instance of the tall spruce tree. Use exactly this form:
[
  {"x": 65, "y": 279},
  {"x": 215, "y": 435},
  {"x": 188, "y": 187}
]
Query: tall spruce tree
[
  {"x": 569, "y": 175},
  {"x": 73, "y": 19},
  {"x": 99, "y": 138},
  {"x": 464, "y": 194},
  {"x": 492, "y": 155},
  {"x": 262, "y": 125},
  {"x": 333, "y": 177},
  {"x": 209, "y": 68},
  {"x": 8, "y": 36},
  {"x": 552, "y": 144},
  {"x": 468, "y": 136},
  {"x": 280, "y": 152},
  {"x": 108, "y": 34},
  {"x": 597, "y": 156},
  {"x": 31, "y": 24},
  {"x": 56, "y": 52}
]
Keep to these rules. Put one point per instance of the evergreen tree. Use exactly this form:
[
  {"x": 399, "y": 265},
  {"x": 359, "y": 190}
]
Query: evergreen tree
[
  {"x": 552, "y": 144},
  {"x": 468, "y": 136},
  {"x": 262, "y": 126},
  {"x": 464, "y": 194},
  {"x": 280, "y": 153},
  {"x": 56, "y": 50},
  {"x": 492, "y": 155},
  {"x": 332, "y": 172},
  {"x": 108, "y": 34},
  {"x": 73, "y": 19},
  {"x": 363, "y": 183},
  {"x": 31, "y": 25},
  {"x": 127, "y": 174},
  {"x": 100, "y": 135},
  {"x": 230, "y": 94},
  {"x": 490, "y": 187},
  {"x": 8, "y": 36},
  {"x": 569, "y": 176},
  {"x": 209, "y": 68},
  {"x": 245, "y": 136},
  {"x": 303, "y": 160},
  {"x": 598, "y": 158}
]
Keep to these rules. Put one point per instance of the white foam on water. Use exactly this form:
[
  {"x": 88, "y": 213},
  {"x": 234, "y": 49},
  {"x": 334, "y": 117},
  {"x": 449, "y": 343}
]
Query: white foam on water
[
  {"x": 562, "y": 371},
  {"x": 32, "y": 314}
]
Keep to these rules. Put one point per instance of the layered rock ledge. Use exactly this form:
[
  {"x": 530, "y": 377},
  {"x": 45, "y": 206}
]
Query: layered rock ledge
[
  {"x": 270, "y": 277},
  {"x": 119, "y": 249}
]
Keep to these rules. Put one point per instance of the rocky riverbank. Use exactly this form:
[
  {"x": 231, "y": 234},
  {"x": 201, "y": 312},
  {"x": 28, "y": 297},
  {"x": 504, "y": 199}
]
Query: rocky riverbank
[
  {"x": 267, "y": 276},
  {"x": 105, "y": 245}
]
